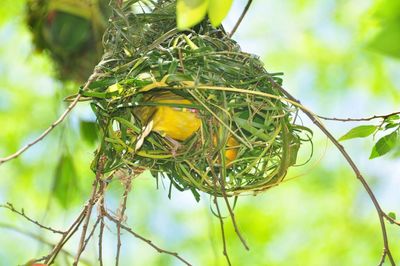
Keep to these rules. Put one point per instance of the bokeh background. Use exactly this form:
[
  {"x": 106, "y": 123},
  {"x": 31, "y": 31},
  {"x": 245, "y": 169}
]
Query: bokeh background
[{"x": 320, "y": 216}]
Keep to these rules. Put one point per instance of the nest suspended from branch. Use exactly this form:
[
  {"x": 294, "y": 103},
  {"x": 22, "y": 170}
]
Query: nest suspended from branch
[
  {"x": 190, "y": 106},
  {"x": 71, "y": 30}
]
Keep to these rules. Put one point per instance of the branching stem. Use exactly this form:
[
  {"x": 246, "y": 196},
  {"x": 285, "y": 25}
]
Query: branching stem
[{"x": 358, "y": 119}]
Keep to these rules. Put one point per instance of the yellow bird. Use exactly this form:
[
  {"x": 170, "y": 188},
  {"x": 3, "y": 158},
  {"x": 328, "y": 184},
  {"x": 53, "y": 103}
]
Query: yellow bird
[{"x": 175, "y": 123}]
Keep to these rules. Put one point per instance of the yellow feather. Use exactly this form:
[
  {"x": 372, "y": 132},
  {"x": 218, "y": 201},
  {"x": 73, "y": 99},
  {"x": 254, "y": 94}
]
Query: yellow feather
[{"x": 176, "y": 123}]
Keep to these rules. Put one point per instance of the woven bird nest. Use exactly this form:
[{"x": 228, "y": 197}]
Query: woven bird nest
[
  {"x": 71, "y": 31},
  {"x": 244, "y": 138}
]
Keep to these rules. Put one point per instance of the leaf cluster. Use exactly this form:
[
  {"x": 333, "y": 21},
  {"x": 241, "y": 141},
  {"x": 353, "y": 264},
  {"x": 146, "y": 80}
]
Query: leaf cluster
[{"x": 384, "y": 144}]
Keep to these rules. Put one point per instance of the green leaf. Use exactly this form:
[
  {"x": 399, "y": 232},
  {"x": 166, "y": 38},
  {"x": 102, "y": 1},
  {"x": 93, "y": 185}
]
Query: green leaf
[
  {"x": 359, "y": 132},
  {"x": 217, "y": 11},
  {"x": 89, "y": 131},
  {"x": 190, "y": 12},
  {"x": 391, "y": 125},
  {"x": 384, "y": 145},
  {"x": 392, "y": 118},
  {"x": 392, "y": 215},
  {"x": 387, "y": 40},
  {"x": 65, "y": 181}
]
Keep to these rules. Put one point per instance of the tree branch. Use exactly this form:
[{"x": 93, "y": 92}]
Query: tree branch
[
  {"x": 37, "y": 238},
  {"x": 52, "y": 126},
  {"x": 358, "y": 119},
  {"x": 22, "y": 213},
  {"x": 160, "y": 250},
  {"x": 240, "y": 18},
  {"x": 360, "y": 177},
  {"x": 89, "y": 206}
]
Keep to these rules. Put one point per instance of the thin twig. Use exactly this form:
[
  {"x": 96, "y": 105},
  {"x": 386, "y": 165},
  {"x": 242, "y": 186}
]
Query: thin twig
[
  {"x": 221, "y": 221},
  {"x": 88, "y": 212},
  {"x": 121, "y": 214},
  {"x": 38, "y": 238},
  {"x": 102, "y": 212},
  {"x": 232, "y": 214},
  {"x": 240, "y": 18},
  {"x": 360, "y": 177},
  {"x": 358, "y": 119},
  {"x": 91, "y": 232},
  {"x": 52, "y": 126},
  {"x": 44, "y": 134},
  {"x": 390, "y": 219},
  {"x": 382, "y": 261},
  {"x": 89, "y": 207},
  {"x": 149, "y": 242},
  {"x": 22, "y": 213},
  {"x": 49, "y": 259},
  {"x": 101, "y": 241}
]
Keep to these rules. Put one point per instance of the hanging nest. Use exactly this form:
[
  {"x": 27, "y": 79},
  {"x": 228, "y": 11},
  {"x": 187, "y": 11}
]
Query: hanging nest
[
  {"x": 154, "y": 78},
  {"x": 71, "y": 31}
]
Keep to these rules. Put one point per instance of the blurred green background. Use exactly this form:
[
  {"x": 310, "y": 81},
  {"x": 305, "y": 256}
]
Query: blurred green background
[{"x": 340, "y": 58}]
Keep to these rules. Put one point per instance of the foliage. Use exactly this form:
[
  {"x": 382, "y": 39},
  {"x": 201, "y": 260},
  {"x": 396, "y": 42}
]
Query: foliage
[
  {"x": 386, "y": 15},
  {"x": 192, "y": 12},
  {"x": 386, "y": 143}
]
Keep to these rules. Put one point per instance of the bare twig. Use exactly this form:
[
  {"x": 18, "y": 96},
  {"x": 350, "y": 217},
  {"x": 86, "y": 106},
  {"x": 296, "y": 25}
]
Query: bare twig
[
  {"x": 89, "y": 206},
  {"x": 102, "y": 212},
  {"x": 49, "y": 259},
  {"x": 87, "y": 213},
  {"x": 149, "y": 242},
  {"x": 37, "y": 238},
  {"x": 121, "y": 214},
  {"x": 52, "y": 126},
  {"x": 44, "y": 134},
  {"x": 91, "y": 232},
  {"x": 101, "y": 241},
  {"x": 360, "y": 177},
  {"x": 22, "y": 213},
  {"x": 382, "y": 261},
  {"x": 221, "y": 221},
  {"x": 240, "y": 18},
  {"x": 358, "y": 119},
  {"x": 232, "y": 214}
]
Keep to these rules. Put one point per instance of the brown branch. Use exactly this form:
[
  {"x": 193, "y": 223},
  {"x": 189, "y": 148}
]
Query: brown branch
[
  {"x": 382, "y": 261},
  {"x": 149, "y": 242},
  {"x": 87, "y": 214},
  {"x": 126, "y": 180},
  {"x": 102, "y": 212},
  {"x": 390, "y": 219},
  {"x": 10, "y": 207},
  {"x": 358, "y": 119},
  {"x": 49, "y": 259},
  {"x": 89, "y": 206},
  {"x": 91, "y": 232},
  {"x": 37, "y": 238},
  {"x": 101, "y": 241},
  {"x": 240, "y": 18},
  {"x": 221, "y": 221},
  {"x": 360, "y": 177},
  {"x": 52, "y": 126},
  {"x": 232, "y": 214}
]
